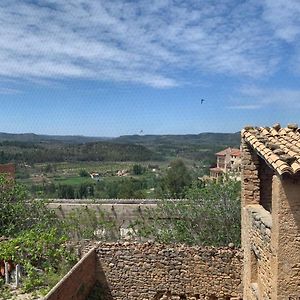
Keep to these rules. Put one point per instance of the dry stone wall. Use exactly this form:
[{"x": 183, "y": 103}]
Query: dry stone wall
[
  {"x": 152, "y": 271},
  {"x": 259, "y": 279},
  {"x": 78, "y": 282},
  {"x": 250, "y": 173}
]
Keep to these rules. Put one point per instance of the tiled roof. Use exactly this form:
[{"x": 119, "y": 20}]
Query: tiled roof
[
  {"x": 280, "y": 147},
  {"x": 231, "y": 151}
]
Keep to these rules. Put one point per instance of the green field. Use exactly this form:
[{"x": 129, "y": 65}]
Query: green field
[{"x": 50, "y": 177}]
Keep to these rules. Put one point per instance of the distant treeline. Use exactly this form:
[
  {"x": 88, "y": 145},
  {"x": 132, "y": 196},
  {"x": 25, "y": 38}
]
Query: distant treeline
[
  {"x": 125, "y": 148},
  {"x": 99, "y": 151}
]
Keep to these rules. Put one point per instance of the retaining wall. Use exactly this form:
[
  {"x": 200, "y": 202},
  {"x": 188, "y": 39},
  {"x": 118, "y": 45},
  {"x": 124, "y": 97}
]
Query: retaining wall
[
  {"x": 122, "y": 211},
  {"x": 153, "y": 271},
  {"x": 79, "y": 281},
  {"x": 149, "y": 271}
]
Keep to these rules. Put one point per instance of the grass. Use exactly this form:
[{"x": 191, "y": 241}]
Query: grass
[{"x": 76, "y": 180}]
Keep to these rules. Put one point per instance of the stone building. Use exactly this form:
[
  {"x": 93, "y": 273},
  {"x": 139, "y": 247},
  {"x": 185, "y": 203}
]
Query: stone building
[
  {"x": 271, "y": 212},
  {"x": 228, "y": 161}
]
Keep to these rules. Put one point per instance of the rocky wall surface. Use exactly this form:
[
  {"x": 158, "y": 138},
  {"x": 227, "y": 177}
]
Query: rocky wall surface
[
  {"x": 258, "y": 254},
  {"x": 250, "y": 180},
  {"x": 153, "y": 271},
  {"x": 78, "y": 282}
]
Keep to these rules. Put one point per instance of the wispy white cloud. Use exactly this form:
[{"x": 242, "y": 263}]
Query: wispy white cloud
[
  {"x": 253, "y": 97},
  {"x": 8, "y": 91},
  {"x": 141, "y": 41},
  {"x": 245, "y": 107},
  {"x": 284, "y": 18}
]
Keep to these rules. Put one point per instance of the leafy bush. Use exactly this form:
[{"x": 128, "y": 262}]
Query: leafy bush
[
  {"x": 138, "y": 169},
  {"x": 209, "y": 216},
  {"x": 19, "y": 213},
  {"x": 38, "y": 251},
  {"x": 84, "y": 173},
  {"x": 85, "y": 223}
]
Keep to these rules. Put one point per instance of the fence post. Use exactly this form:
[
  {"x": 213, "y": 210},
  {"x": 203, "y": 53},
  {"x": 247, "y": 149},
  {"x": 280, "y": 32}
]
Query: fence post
[
  {"x": 6, "y": 272},
  {"x": 18, "y": 273}
]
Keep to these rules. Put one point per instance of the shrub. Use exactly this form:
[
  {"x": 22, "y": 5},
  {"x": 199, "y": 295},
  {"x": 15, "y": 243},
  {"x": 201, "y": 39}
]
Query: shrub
[{"x": 209, "y": 216}]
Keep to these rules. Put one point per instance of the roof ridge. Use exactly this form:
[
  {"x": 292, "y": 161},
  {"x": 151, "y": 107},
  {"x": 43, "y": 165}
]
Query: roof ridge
[{"x": 278, "y": 146}]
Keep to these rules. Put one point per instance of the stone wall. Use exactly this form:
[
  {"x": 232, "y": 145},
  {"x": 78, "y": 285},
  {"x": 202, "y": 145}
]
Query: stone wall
[
  {"x": 122, "y": 211},
  {"x": 152, "y": 271},
  {"x": 258, "y": 256},
  {"x": 286, "y": 237},
  {"x": 77, "y": 284},
  {"x": 270, "y": 230},
  {"x": 250, "y": 176}
]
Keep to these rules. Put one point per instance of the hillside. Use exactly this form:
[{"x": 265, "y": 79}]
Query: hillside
[
  {"x": 32, "y": 148},
  {"x": 201, "y": 146},
  {"x": 37, "y": 138},
  {"x": 52, "y": 152}
]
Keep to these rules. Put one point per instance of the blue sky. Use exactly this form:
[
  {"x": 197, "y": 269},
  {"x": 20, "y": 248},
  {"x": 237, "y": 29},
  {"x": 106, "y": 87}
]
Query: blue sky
[{"x": 108, "y": 68}]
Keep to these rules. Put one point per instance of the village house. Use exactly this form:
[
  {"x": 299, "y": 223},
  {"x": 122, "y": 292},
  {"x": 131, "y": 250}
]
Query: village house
[{"x": 228, "y": 161}]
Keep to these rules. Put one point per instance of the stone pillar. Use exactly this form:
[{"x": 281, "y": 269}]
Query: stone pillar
[
  {"x": 250, "y": 195},
  {"x": 249, "y": 174},
  {"x": 285, "y": 239}
]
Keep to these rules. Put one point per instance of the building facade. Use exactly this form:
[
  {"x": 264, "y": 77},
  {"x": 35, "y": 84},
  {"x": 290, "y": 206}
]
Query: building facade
[
  {"x": 271, "y": 212},
  {"x": 228, "y": 161}
]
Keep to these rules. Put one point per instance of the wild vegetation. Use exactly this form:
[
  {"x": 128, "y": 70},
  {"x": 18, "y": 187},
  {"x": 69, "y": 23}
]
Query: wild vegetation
[
  {"x": 35, "y": 238},
  {"x": 209, "y": 215},
  {"x": 204, "y": 213}
]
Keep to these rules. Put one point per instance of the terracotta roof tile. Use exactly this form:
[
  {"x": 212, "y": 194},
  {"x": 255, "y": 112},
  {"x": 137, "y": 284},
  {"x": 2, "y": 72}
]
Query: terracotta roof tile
[
  {"x": 280, "y": 147},
  {"x": 295, "y": 166},
  {"x": 231, "y": 151}
]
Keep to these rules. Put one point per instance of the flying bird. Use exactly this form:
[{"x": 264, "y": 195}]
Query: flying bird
[{"x": 202, "y": 100}]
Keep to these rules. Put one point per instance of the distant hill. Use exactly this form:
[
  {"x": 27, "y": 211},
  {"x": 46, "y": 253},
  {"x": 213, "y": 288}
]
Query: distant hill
[
  {"x": 34, "y": 148},
  {"x": 202, "y": 138},
  {"x": 30, "y": 152},
  {"x": 37, "y": 138},
  {"x": 201, "y": 146}
]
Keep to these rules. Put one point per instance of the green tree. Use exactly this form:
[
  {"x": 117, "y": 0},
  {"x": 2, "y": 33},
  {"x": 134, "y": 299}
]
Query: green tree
[
  {"x": 18, "y": 212},
  {"x": 177, "y": 179},
  {"x": 66, "y": 191},
  {"x": 138, "y": 169},
  {"x": 48, "y": 168},
  {"x": 209, "y": 216},
  {"x": 85, "y": 190},
  {"x": 84, "y": 173}
]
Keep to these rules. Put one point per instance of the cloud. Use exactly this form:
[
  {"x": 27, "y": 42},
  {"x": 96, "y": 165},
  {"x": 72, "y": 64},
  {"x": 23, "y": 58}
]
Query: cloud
[
  {"x": 254, "y": 97},
  {"x": 146, "y": 42},
  {"x": 9, "y": 91},
  {"x": 245, "y": 107},
  {"x": 284, "y": 17}
]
